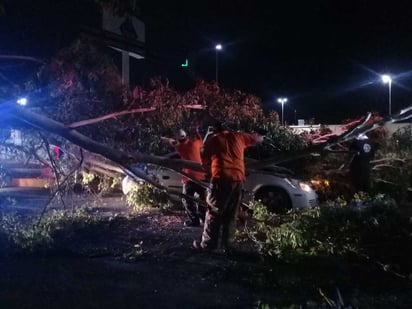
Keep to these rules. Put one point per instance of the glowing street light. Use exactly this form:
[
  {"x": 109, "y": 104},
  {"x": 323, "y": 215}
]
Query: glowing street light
[
  {"x": 386, "y": 79},
  {"x": 282, "y": 101},
  {"x": 22, "y": 101},
  {"x": 218, "y": 47}
]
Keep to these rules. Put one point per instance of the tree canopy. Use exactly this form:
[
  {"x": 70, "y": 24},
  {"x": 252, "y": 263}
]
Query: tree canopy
[
  {"x": 82, "y": 83},
  {"x": 81, "y": 94}
]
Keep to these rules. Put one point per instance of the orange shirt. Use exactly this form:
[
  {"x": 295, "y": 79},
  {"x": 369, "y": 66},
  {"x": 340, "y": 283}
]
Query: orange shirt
[
  {"x": 223, "y": 154},
  {"x": 190, "y": 150}
]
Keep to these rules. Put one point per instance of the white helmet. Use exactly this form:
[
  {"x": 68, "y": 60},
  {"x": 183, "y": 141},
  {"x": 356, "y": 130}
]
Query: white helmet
[
  {"x": 361, "y": 137},
  {"x": 181, "y": 134}
]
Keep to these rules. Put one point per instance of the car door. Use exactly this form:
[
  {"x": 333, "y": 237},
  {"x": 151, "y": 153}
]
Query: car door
[{"x": 169, "y": 178}]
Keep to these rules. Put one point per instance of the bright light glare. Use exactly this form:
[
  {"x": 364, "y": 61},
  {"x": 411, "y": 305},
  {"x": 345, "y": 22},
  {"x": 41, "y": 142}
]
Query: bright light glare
[
  {"x": 386, "y": 79},
  {"x": 218, "y": 47},
  {"x": 305, "y": 187},
  {"x": 282, "y": 100},
  {"x": 22, "y": 101}
]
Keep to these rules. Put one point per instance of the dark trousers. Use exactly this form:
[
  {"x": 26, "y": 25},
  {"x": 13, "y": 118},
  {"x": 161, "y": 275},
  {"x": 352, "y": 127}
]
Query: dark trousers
[
  {"x": 223, "y": 200},
  {"x": 194, "y": 211},
  {"x": 360, "y": 174}
]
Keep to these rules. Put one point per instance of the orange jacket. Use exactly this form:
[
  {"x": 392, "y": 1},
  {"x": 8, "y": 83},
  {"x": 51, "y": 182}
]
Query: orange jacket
[
  {"x": 223, "y": 154},
  {"x": 190, "y": 150}
]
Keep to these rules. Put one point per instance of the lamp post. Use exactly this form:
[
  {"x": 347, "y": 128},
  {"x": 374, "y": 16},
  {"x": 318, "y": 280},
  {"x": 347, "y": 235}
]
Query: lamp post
[
  {"x": 218, "y": 47},
  {"x": 386, "y": 79},
  {"x": 282, "y": 101}
]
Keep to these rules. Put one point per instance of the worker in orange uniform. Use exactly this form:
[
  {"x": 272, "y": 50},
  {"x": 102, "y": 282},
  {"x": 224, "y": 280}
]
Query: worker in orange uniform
[
  {"x": 223, "y": 158},
  {"x": 189, "y": 149}
]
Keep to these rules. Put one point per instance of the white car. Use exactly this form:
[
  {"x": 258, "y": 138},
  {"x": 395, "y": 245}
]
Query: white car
[{"x": 274, "y": 186}]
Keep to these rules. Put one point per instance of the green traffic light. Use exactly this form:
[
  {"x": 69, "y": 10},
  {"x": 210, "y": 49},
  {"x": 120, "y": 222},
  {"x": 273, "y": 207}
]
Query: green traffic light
[{"x": 186, "y": 64}]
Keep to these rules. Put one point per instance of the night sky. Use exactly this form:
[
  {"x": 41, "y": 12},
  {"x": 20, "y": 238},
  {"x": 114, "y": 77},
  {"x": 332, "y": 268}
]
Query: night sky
[{"x": 326, "y": 57}]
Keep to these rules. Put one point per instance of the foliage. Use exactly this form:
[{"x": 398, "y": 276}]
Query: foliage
[
  {"x": 38, "y": 237},
  {"x": 140, "y": 197},
  {"x": 4, "y": 177},
  {"x": 164, "y": 202},
  {"x": 329, "y": 173},
  {"x": 234, "y": 108},
  {"x": 82, "y": 83},
  {"x": 109, "y": 184},
  {"x": 392, "y": 167},
  {"x": 87, "y": 178},
  {"x": 364, "y": 227},
  {"x": 402, "y": 138},
  {"x": 278, "y": 139},
  {"x": 101, "y": 184},
  {"x": 143, "y": 196}
]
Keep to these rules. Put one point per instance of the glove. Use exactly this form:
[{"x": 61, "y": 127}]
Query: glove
[{"x": 258, "y": 138}]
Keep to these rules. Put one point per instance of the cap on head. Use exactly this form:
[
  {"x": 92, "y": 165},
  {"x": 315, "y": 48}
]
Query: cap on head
[{"x": 181, "y": 135}]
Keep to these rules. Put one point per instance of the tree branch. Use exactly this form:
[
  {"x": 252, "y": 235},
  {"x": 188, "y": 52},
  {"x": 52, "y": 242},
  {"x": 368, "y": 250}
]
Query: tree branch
[{"x": 108, "y": 116}]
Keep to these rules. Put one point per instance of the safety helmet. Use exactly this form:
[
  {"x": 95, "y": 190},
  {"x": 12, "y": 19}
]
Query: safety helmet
[
  {"x": 181, "y": 135},
  {"x": 361, "y": 137}
]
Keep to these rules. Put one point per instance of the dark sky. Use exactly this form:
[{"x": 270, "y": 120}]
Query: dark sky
[{"x": 325, "y": 56}]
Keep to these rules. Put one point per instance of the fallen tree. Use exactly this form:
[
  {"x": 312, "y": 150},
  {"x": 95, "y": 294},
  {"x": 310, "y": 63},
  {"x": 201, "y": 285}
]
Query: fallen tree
[
  {"x": 84, "y": 102},
  {"x": 126, "y": 161}
]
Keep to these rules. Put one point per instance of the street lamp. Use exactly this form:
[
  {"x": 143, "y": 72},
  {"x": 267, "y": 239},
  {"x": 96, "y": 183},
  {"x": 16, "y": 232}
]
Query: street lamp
[
  {"x": 386, "y": 79},
  {"x": 22, "y": 101},
  {"x": 218, "y": 47},
  {"x": 282, "y": 101}
]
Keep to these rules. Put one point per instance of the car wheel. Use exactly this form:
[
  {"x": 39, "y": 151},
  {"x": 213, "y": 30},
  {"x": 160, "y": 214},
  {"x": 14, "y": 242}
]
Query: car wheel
[{"x": 275, "y": 199}]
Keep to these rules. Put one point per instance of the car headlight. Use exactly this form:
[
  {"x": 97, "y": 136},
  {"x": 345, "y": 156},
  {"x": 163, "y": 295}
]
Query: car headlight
[
  {"x": 305, "y": 187},
  {"x": 320, "y": 184},
  {"x": 294, "y": 183}
]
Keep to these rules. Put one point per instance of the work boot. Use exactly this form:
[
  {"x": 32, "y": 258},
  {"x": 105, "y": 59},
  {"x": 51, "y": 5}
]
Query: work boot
[
  {"x": 200, "y": 247},
  {"x": 197, "y": 245}
]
